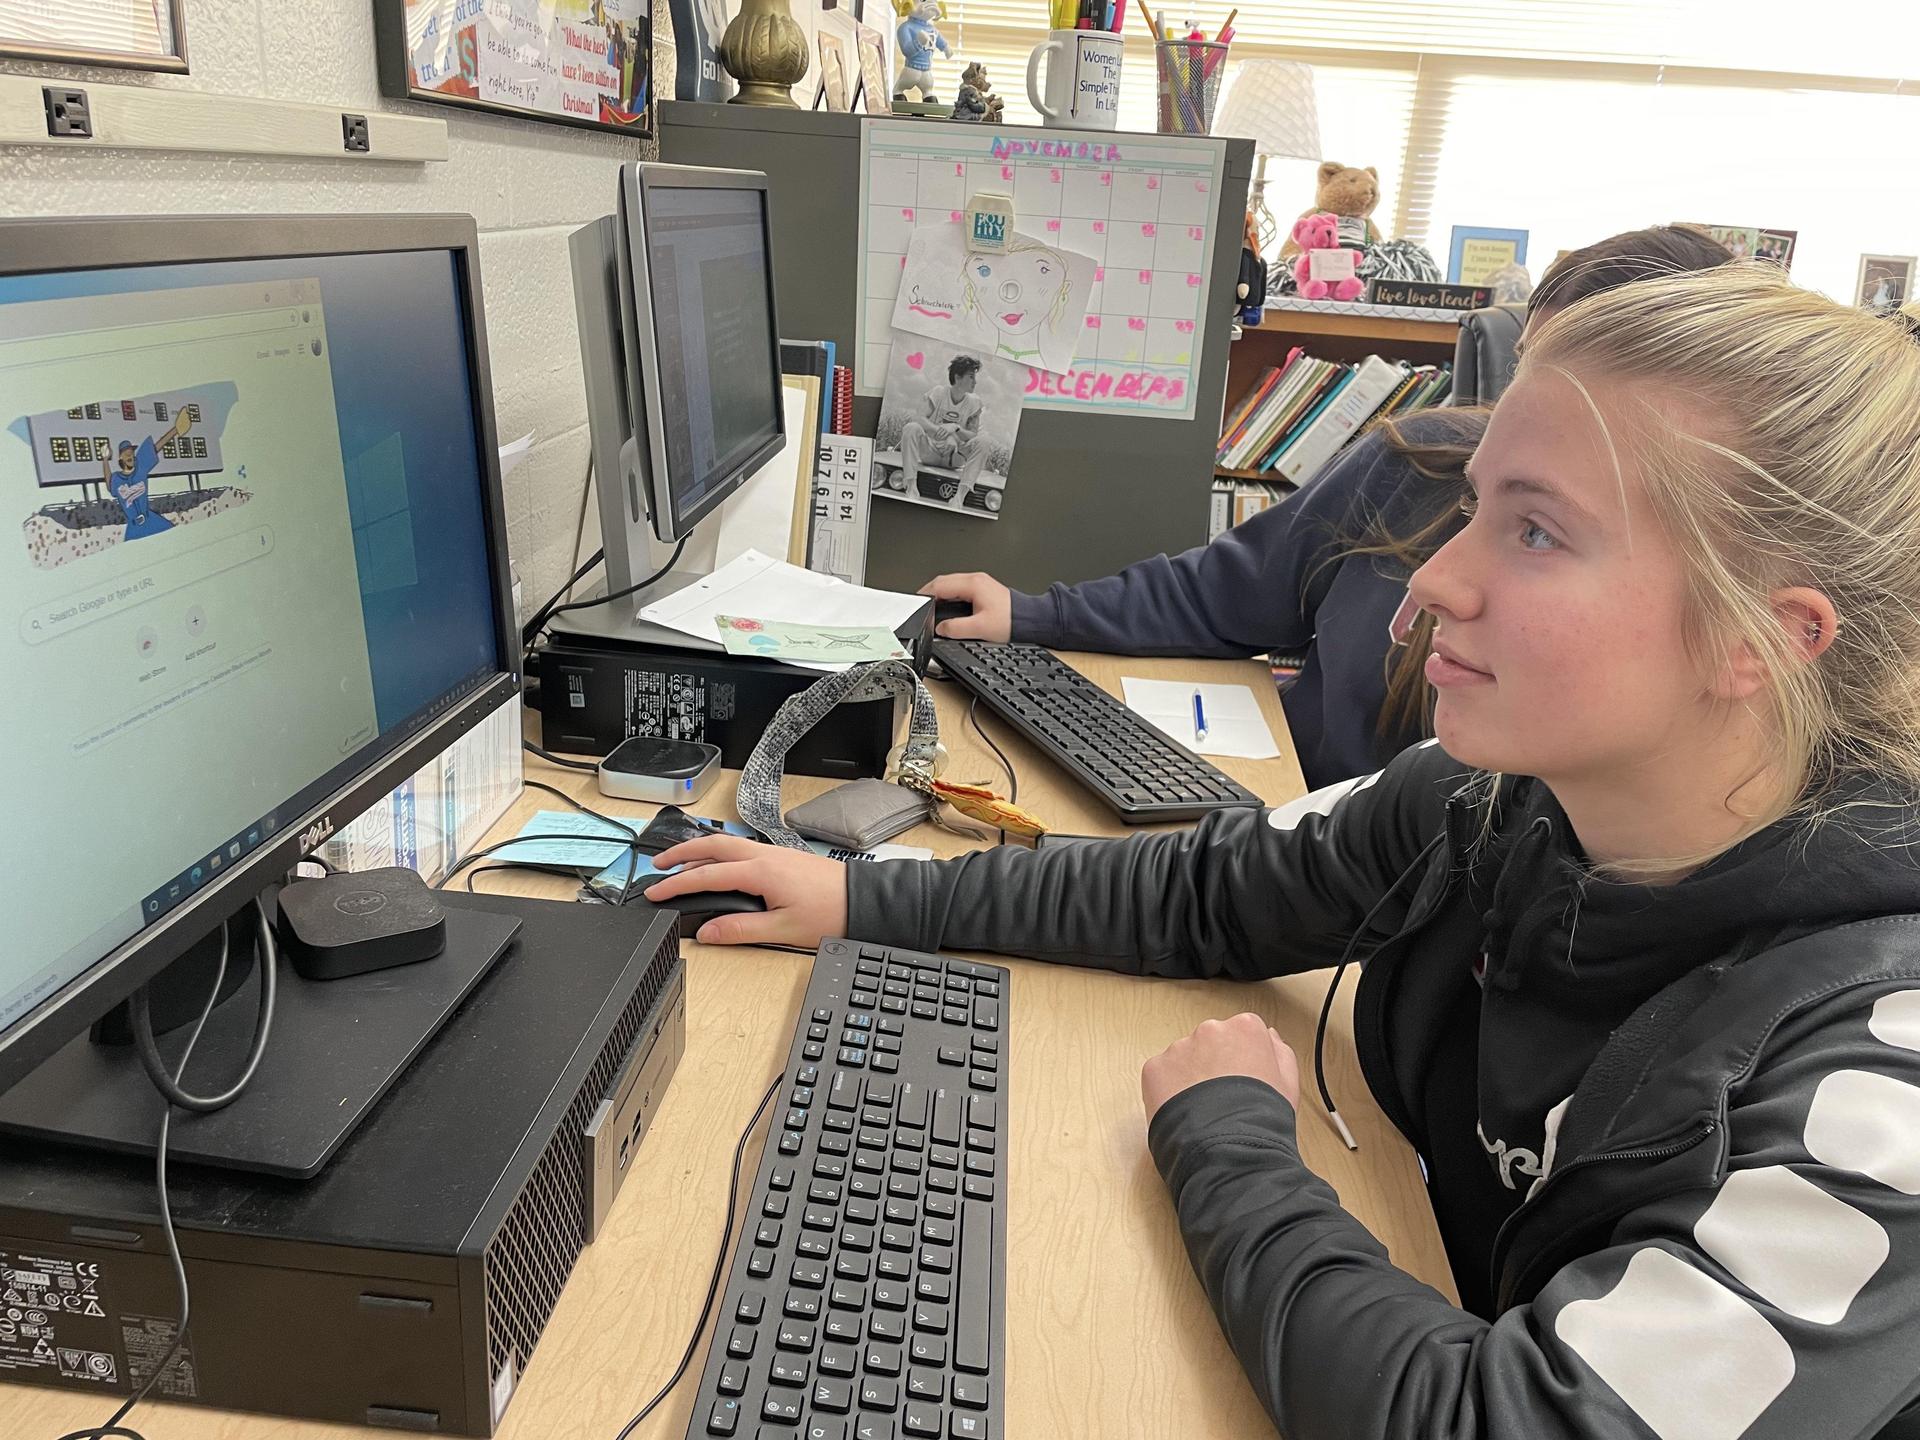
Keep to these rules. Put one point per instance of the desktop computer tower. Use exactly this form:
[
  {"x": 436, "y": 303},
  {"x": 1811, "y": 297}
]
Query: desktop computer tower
[
  {"x": 408, "y": 1283},
  {"x": 599, "y": 686}
]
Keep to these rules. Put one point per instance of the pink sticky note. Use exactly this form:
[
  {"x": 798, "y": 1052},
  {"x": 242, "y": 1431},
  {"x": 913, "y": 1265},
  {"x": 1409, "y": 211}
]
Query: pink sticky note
[
  {"x": 1149, "y": 230},
  {"x": 1153, "y": 182},
  {"x": 1134, "y": 322},
  {"x": 1099, "y": 227},
  {"x": 1006, "y": 172},
  {"x": 1054, "y": 226},
  {"x": 1193, "y": 282},
  {"x": 1146, "y": 277}
]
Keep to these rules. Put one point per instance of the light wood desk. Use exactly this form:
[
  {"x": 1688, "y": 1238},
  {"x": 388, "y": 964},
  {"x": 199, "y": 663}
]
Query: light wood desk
[{"x": 1109, "y": 1334}]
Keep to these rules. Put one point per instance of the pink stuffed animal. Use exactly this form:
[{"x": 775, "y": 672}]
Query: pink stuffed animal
[{"x": 1322, "y": 233}]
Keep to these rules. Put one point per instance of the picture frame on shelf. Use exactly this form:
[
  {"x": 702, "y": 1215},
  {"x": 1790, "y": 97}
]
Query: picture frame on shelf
[
  {"x": 582, "y": 63},
  {"x": 1476, "y": 253},
  {"x": 1885, "y": 282},
  {"x": 126, "y": 34},
  {"x": 838, "y": 78},
  {"x": 875, "y": 87}
]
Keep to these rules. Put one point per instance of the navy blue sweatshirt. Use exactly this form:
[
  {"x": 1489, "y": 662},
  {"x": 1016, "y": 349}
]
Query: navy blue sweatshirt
[{"x": 1278, "y": 584}]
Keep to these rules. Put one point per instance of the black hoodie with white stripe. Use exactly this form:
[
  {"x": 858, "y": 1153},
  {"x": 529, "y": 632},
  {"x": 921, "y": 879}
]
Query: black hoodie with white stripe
[{"x": 1673, "y": 1133}]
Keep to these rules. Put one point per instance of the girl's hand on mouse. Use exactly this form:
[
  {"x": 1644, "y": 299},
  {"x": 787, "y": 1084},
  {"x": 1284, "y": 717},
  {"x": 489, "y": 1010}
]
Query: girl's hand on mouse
[
  {"x": 806, "y": 894},
  {"x": 992, "y": 602}
]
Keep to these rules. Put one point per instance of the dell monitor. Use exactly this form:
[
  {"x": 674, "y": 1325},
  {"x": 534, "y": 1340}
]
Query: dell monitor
[
  {"x": 252, "y": 571},
  {"x": 681, "y": 350}
]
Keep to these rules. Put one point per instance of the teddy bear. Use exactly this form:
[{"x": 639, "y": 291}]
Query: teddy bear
[
  {"x": 1316, "y": 234},
  {"x": 1350, "y": 195}
]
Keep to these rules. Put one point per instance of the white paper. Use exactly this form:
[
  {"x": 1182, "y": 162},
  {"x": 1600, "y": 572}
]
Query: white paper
[
  {"x": 1029, "y": 304},
  {"x": 759, "y": 516},
  {"x": 759, "y": 586},
  {"x": 513, "y": 452},
  {"x": 840, "y": 507},
  {"x": 1235, "y": 725},
  {"x": 1142, "y": 206}
]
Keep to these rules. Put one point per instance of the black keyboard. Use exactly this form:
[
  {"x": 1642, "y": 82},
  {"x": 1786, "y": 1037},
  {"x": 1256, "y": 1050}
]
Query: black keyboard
[
  {"x": 1136, "y": 769},
  {"x": 867, "y": 1293}
]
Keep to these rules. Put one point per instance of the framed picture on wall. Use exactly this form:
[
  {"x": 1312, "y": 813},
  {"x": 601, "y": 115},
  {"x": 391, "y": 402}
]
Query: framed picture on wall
[
  {"x": 587, "y": 63},
  {"x": 1886, "y": 281},
  {"x": 1477, "y": 254},
  {"x": 133, "y": 34}
]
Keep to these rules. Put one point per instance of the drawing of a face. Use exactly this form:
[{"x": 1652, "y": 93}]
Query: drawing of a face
[{"x": 1020, "y": 291}]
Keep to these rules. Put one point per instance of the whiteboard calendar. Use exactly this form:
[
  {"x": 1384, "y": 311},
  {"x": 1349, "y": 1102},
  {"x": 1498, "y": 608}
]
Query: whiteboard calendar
[{"x": 1142, "y": 206}]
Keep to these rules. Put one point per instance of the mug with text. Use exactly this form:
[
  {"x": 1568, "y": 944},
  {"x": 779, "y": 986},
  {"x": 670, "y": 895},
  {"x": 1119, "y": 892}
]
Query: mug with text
[{"x": 1082, "y": 89}]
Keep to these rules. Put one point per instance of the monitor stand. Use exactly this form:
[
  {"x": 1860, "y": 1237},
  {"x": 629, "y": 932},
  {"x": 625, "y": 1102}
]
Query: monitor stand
[
  {"x": 633, "y": 553},
  {"x": 334, "y": 1049}
]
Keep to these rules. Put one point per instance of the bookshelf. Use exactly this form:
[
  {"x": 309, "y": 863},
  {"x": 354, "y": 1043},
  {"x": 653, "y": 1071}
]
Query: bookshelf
[
  {"x": 1332, "y": 336},
  {"x": 1341, "y": 335}
]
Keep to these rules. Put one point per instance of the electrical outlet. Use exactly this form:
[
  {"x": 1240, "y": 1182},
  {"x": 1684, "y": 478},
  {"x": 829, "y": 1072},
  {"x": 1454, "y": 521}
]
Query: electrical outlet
[
  {"x": 353, "y": 129},
  {"x": 67, "y": 115}
]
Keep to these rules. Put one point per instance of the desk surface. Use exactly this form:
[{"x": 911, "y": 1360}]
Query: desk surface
[{"x": 1109, "y": 1333}]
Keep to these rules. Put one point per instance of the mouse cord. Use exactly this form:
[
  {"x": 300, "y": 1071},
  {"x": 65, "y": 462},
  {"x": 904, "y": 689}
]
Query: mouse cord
[{"x": 719, "y": 1267}]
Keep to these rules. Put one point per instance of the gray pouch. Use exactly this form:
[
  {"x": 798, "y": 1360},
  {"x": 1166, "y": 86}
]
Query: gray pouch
[{"x": 859, "y": 814}]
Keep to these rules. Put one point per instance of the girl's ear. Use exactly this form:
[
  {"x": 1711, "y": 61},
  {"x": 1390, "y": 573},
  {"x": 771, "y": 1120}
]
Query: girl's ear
[{"x": 1808, "y": 620}]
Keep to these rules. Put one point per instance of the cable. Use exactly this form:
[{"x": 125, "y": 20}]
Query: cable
[
  {"x": 532, "y": 628},
  {"x": 1339, "y": 971},
  {"x": 1013, "y": 780},
  {"x": 713, "y": 1282},
  {"x": 533, "y": 749},
  {"x": 149, "y": 1051},
  {"x": 623, "y": 592},
  {"x": 113, "y": 1429}
]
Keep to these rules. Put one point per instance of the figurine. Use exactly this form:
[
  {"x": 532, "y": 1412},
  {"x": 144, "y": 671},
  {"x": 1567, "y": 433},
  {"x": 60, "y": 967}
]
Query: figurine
[
  {"x": 977, "y": 101},
  {"x": 919, "y": 37}
]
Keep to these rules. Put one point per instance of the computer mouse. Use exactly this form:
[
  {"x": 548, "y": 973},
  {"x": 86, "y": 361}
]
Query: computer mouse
[
  {"x": 950, "y": 610},
  {"x": 700, "y": 906}
]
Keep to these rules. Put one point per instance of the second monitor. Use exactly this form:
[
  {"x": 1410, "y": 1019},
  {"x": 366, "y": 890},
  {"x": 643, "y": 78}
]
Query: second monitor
[{"x": 680, "y": 344}]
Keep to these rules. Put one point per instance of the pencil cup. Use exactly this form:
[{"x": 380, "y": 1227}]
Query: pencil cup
[
  {"x": 1082, "y": 86},
  {"x": 1189, "y": 82}
]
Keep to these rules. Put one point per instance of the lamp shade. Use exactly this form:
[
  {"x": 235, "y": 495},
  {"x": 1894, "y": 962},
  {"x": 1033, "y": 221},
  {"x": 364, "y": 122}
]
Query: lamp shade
[{"x": 1271, "y": 103}]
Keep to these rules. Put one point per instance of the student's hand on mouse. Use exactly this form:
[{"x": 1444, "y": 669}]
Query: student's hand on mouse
[
  {"x": 992, "y": 603},
  {"x": 1240, "y": 1046},
  {"x": 806, "y": 894}
]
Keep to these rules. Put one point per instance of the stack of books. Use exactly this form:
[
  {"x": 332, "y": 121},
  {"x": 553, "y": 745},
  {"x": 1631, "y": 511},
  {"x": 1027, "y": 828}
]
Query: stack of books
[{"x": 1299, "y": 415}]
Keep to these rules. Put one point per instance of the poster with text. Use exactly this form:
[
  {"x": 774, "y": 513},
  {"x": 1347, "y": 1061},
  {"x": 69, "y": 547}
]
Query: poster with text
[{"x": 578, "y": 62}]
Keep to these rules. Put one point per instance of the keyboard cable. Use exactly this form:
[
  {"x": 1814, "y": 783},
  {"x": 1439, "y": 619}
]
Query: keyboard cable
[{"x": 719, "y": 1266}]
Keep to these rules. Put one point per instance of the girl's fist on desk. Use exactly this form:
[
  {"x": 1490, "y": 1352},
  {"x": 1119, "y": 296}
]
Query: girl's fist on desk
[
  {"x": 806, "y": 894},
  {"x": 1240, "y": 1046}
]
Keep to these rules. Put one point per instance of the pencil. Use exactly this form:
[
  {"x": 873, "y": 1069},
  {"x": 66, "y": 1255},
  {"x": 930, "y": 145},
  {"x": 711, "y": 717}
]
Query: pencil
[
  {"x": 1227, "y": 28},
  {"x": 1153, "y": 28}
]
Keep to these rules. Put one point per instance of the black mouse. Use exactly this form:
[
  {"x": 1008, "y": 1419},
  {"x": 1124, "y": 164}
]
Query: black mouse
[
  {"x": 700, "y": 906},
  {"x": 950, "y": 610}
]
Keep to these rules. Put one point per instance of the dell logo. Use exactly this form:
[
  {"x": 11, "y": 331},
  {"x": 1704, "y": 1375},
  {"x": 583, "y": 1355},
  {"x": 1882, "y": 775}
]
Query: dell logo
[{"x": 311, "y": 837}]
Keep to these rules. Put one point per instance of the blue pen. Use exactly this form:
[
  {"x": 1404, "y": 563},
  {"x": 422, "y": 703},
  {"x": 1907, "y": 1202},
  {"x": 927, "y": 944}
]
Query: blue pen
[{"x": 1199, "y": 718}]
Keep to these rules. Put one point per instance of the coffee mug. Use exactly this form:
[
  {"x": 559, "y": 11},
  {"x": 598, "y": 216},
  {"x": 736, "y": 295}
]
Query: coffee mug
[{"x": 1082, "y": 91}]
